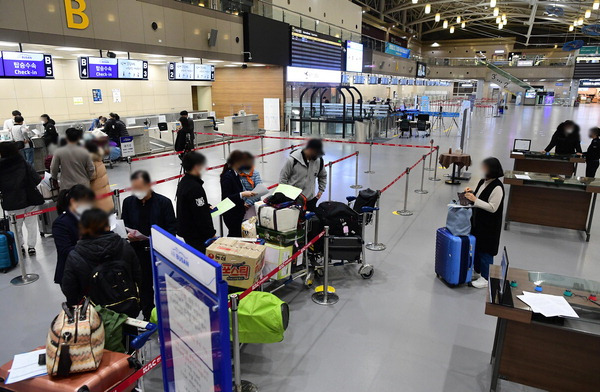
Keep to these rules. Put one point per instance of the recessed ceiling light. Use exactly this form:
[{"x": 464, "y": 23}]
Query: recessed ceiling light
[
  {"x": 190, "y": 58},
  {"x": 69, "y": 49},
  {"x": 231, "y": 65},
  {"x": 214, "y": 61},
  {"x": 257, "y": 65},
  {"x": 435, "y": 44},
  {"x": 156, "y": 55},
  {"x": 6, "y": 43}
]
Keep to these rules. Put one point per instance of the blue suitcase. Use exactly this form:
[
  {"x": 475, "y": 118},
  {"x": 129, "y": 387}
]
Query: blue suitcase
[
  {"x": 9, "y": 258},
  {"x": 454, "y": 257}
]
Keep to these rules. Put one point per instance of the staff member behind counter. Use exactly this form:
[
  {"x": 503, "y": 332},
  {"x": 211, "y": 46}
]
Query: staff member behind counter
[{"x": 566, "y": 139}]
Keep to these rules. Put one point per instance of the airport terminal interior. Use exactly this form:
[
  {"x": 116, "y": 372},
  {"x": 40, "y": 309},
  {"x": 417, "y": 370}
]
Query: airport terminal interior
[{"x": 299, "y": 195}]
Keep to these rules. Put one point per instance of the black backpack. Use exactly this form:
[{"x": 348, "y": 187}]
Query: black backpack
[
  {"x": 366, "y": 198},
  {"x": 112, "y": 286},
  {"x": 336, "y": 215}
]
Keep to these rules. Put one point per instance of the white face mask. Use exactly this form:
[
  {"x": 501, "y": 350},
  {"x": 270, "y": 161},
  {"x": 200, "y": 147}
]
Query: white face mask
[
  {"x": 140, "y": 194},
  {"x": 80, "y": 209}
]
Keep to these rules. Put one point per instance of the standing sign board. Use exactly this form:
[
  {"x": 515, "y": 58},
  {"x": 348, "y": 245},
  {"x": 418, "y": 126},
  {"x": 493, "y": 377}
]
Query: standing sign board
[
  {"x": 127, "y": 147},
  {"x": 193, "y": 315}
]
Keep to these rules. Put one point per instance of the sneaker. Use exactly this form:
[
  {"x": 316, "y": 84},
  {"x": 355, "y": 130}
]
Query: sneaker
[
  {"x": 480, "y": 283},
  {"x": 475, "y": 276},
  {"x": 31, "y": 251}
]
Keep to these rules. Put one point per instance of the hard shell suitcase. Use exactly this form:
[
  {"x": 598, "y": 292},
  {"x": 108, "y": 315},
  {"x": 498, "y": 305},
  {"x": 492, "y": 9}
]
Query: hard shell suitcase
[
  {"x": 9, "y": 257},
  {"x": 114, "y": 368},
  {"x": 46, "y": 219},
  {"x": 454, "y": 257}
]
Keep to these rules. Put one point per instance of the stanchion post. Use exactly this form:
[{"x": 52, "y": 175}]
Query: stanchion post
[
  {"x": 429, "y": 168},
  {"x": 376, "y": 245},
  {"x": 370, "y": 158},
  {"x": 356, "y": 185},
  {"x": 221, "y": 229},
  {"x": 324, "y": 297},
  {"x": 118, "y": 202},
  {"x": 422, "y": 191},
  {"x": 262, "y": 149},
  {"x": 229, "y": 147},
  {"x": 330, "y": 169},
  {"x": 239, "y": 384},
  {"x": 24, "y": 278},
  {"x": 437, "y": 152},
  {"x": 224, "y": 152},
  {"x": 129, "y": 162},
  {"x": 405, "y": 211}
]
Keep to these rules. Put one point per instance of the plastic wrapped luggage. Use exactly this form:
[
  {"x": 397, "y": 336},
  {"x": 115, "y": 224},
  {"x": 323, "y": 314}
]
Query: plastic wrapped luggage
[
  {"x": 278, "y": 219},
  {"x": 9, "y": 257},
  {"x": 263, "y": 318},
  {"x": 454, "y": 257},
  {"x": 46, "y": 220},
  {"x": 280, "y": 238}
]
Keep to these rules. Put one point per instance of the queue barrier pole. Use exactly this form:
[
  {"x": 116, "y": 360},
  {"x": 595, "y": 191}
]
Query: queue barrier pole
[
  {"x": 262, "y": 149},
  {"x": 221, "y": 229},
  {"x": 422, "y": 191},
  {"x": 324, "y": 296},
  {"x": 356, "y": 185},
  {"x": 239, "y": 384},
  {"x": 330, "y": 169},
  {"x": 376, "y": 245},
  {"x": 229, "y": 146},
  {"x": 24, "y": 278},
  {"x": 118, "y": 202},
  {"x": 435, "y": 177},
  {"x": 429, "y": 168},
  {"x": 370, "y": 158},
  {"x": 224, "y": 152},
  {"x": 405, "y": 211}
]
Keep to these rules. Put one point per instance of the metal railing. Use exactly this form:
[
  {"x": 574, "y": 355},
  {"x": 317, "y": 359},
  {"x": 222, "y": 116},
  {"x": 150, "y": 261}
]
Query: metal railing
[{"x": 474, "y": 62}]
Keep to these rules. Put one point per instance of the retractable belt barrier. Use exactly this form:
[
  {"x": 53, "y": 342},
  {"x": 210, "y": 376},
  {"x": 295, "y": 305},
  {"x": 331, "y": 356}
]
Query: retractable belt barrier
[{"x": 395, "y": 180}]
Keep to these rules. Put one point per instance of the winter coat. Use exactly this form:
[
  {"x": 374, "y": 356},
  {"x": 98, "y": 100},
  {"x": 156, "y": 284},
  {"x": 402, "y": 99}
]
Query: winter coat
[
  {"x": 50, "y": 135},
  {"x": 18, "y": 182},
  {"x": 302, "y": 174},
  {"x": 100, "y": 185},
  {"x": 65, "y": 231}
]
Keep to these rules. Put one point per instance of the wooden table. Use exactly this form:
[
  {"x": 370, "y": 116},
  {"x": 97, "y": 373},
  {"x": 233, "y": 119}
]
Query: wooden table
[
  {"x": 542, "y": 163},
  {"x": 557, "y": 355},
  {"x": 555, "y": 201},
  {"x": 458, "y": 161}
]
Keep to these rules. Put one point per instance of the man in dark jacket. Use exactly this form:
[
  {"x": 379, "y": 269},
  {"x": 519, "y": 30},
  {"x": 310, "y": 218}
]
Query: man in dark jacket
[
  {"x": 50, "y": 135},
  {"x": 141, "y": 210},
  {"x": 97, "y": 246},
  {"x": 185, "y": 134},
  {"x": 195, "y": 223},
  {"x": 115, "y": 128},
  {"x": 18, "y": 183}
]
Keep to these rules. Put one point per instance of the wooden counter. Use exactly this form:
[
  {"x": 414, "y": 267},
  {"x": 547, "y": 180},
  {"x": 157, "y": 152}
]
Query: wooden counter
[{"x": 552, "y": 164}]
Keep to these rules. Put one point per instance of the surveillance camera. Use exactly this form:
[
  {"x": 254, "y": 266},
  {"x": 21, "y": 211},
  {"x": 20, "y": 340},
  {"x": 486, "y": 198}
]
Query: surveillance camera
[
  {"x": 111, "y": 55},
  {"x": 244, "y": 66}
]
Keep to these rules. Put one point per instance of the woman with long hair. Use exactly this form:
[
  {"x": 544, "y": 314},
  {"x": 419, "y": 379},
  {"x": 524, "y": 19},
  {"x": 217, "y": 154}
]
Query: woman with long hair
[{"x": 231, "y": 187}]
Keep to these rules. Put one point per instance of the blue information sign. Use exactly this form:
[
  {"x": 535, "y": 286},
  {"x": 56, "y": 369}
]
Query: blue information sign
[
  {"x": 397, "y": 50},
  {"x": 193, "y": 317}
]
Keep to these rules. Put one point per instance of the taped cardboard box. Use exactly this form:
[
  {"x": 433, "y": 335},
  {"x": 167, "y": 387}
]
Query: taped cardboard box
[
  {"x": 276, "y": 255},
  {"x": 242, "y": 261}
]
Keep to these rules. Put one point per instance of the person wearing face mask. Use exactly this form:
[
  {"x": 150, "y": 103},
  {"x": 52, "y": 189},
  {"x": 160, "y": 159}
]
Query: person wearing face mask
[
  {"x": 486, "y": 223},
  {"x": 566, "y": 139},
  {"x": 194, "y": 222},
  {"x": 231, "y": 187},
  {"x": 50, "y": 135},
  {"x": 250, "y": 178},
  {"x": 71, "y": 204},
  {"x": 141, "y": 210},
  {"x": 99, "y": 180}
]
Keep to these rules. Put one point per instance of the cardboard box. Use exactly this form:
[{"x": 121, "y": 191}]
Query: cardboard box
[
  {"x": 274, "y": 256},
  {"x": 242, "y": 261}
]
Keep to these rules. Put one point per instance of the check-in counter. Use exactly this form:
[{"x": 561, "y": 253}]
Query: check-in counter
[
  {"x": 240, "y": 125},
  {"x": 551, "y": 200},
  {"x": 205, "y": 126},
  {"x": 141, "y": 139},
  {"x": 538, "y": 162},
  {"x": 40, "y": 152}
]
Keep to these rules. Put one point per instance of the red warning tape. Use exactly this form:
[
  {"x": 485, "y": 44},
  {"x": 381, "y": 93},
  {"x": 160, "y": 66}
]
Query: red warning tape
[
  {"x": 195, "y": 149},
  {"x": 280, "y": 267},
  {"x": 341, "y": 159},
  {"x": 388, "y": 186},
  {"x": 129, "y": 381}
]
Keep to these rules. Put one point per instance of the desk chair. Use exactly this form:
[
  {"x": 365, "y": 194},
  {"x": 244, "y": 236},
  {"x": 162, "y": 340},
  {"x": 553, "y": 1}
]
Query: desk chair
[
  {"x": 422, "y": 127},
  {"x": 405, "y": 127}
]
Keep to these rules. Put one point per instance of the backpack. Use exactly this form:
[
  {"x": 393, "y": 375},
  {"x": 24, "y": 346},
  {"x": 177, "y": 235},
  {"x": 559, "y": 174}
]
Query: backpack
[
  {"x": 337, "y": 216},
  {"x": 75, "y": 341},
  {"x": 112, "y": 286},
  {"x": 321, "y": 166}
]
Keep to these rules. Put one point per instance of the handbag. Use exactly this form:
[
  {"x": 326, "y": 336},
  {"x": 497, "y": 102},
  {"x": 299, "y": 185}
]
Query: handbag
[
  {"x": 458, "y": 220},
  {"x": 75, "y": 341}
]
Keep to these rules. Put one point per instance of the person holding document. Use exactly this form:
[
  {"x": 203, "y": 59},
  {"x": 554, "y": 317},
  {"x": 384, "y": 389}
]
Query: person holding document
[
  {"x": 232, "y": 188},
  {"x": 250, "y": 178},
  {"x": 194, "y": 220},
  {"x": 141, "y": 210}
]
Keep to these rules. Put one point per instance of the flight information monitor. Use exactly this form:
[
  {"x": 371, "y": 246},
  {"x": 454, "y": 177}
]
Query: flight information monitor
[
  {"x": 187, "y": 71},
  {"x": 354, "y": 56},
  {"x": 315, "y": 50},
  {"x": 110, "y": 68},
  {"x": 26, "y": 65}
]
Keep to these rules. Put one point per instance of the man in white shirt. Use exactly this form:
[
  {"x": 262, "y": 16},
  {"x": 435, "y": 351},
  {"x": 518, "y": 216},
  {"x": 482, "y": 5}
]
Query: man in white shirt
[
  {"x": 8, "y": 124},
  {"x": 22, "y": 136}
]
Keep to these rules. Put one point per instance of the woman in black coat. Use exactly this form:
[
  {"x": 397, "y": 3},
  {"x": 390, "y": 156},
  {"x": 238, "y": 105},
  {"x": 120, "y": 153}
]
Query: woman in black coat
[
  {"x": 231, "y": 187},
  {"x": 566, "y": 139},
  {"x": 486, "y": 223},
  {"x": 71, "y": 204},
  {"x": 50, "y": 135},
  {"x": 99, "y": 245}
]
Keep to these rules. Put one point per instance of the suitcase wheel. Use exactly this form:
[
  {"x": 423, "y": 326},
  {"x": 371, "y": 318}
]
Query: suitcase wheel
[
  {"x": 366, "y": 271},
  {"x": 319, "y": 272}
]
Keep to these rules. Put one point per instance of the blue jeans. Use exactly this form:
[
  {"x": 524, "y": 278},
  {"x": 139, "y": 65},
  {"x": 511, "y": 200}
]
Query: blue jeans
[
  {"x": 28, "y": 155},
  {"x": 482, "y": 263}
]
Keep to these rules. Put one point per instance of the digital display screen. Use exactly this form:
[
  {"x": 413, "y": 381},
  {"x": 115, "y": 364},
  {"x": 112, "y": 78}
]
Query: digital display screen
[
  {"x": 109, "y": 68},
  {"x": 373, "y": 79},
  {"x": 359, "y": 79},
  {"x": 384, "y": 80},
  {"x": 394, "y": 81},
  {"x": 529, "y": 94},
  {"x": 345, "y": 78},
  {"x": 354, "y": 56},
  {"x": 187, "y": 71},
  {"x": 301, "y": 75},
  {"x": 421, "y": 70},
  {"x": 315, "y": 50},
  {"x": 26, "y": 65}
]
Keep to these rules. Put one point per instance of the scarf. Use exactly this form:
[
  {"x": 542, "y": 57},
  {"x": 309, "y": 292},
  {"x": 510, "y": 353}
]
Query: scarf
[{"x": 248, "y": 177}]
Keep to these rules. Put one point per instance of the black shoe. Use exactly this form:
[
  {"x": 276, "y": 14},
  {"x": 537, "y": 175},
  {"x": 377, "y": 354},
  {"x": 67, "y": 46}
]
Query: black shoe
[
  {"x": 23, "y": 250},
  {"x": 31, "y": 251}
]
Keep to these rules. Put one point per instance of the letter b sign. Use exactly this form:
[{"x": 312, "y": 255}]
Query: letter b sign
[{"x": 76, "y": 17}]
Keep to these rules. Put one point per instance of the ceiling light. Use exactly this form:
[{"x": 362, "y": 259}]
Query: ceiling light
[
  {"x": 588, "y": 13},
  {"x": 498, "y": 19},
  {"x": 427, "y": 8},
  {"x": 5, "y": 43},
  {"x": 555, "y": 46},
  {"x": 257, "y": 65},
  {"x": 496, "y": 11},
  {"x": 492, "y": 3},
  {"x": 499, "y": 51},
  {"x": 445, "y": 24},
  {"x": 571, "y": 27},
  {"x": 437, "y": 17},
  {"x": 214, "y": 61},
  {"x": 580, "y": 21},
  {"x": 415, "y": 1},
  {"x": 458, "y": 19},
  {"x": 451, "y": 29},
  {"x": 69, "y": 49},
  {"x": 503, "y": 16},
  {"x": 462, "y": 25},
  {"x": 231, "y": 65},
  {"x": 500, "y": 26},
  {"x": 190, "y": 59},
  {"x": 435, "y": 44},
  {"x": 596, "y": 4}
]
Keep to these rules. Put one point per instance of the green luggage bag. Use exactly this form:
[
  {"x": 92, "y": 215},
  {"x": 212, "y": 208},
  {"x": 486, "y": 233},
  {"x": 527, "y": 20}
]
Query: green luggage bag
[{"x": 263, "y": 318}]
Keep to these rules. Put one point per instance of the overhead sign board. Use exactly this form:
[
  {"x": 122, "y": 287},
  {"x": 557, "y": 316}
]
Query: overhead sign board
[
  {"x": 112, "y": 68},
  {"x": 313, "y": 75},
  {"x": 189, "y": 71},
  {"x": 354, "y": 56},
  {"x": 26, "y": 65},
  {"x": 397, "y": 50}
]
